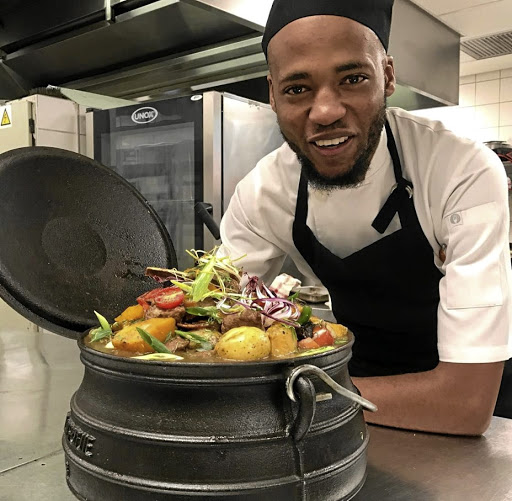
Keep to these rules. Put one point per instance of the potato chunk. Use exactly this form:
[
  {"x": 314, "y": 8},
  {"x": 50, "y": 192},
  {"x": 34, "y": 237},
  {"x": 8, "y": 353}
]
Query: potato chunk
[
  {"x": 338, "y": 331},
  {"x": 283, "y": 339},
  {"x": 129, "y": 339},
  {"x": 244, "y": 343}
]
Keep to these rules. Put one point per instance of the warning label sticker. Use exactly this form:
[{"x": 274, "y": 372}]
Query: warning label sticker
[{"x": 5, "y": 116}]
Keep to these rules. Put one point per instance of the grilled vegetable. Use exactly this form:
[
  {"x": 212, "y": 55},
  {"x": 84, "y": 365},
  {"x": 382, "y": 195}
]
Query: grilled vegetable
[
  {"x": 129, "y": 338},
  {"x": 305, "y": 314},
  {"x": 158, "y": 346},
  {"x": 131, "y": 313}
]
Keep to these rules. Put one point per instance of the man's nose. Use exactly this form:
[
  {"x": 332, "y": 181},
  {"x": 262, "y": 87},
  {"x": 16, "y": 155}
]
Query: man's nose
[{"x": 327, "y": 108}]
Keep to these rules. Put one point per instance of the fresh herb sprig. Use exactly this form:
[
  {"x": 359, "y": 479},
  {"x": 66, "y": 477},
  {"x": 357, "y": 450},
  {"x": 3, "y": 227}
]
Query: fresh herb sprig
[
  {"x": 209, "y": 269},
  {"x": 202, "y": 281},
  {"x": 157, "y": 345},
  {"x": 196, "y": 338},
  {"x": 205, "y": 311},
  {"x": 103, "y": 331}
]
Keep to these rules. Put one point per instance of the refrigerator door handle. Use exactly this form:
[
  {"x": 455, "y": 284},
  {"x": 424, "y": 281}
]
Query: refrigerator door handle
[{"x": 205, "y": 210}]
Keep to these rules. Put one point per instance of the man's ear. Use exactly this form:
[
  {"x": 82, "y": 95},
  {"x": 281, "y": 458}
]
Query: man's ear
[
  {"x": 271, "y": 92},
  {"x": 389, "y": 76}
]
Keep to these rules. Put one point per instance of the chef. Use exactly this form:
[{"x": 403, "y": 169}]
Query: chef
[{"x": 405, "y": 223}]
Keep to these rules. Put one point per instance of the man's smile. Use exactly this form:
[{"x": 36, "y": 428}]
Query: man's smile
[{"x": 332, "y": 147}]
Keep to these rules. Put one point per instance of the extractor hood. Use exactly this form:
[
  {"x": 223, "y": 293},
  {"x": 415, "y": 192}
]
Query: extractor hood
[{"x": 152, "y": 49}]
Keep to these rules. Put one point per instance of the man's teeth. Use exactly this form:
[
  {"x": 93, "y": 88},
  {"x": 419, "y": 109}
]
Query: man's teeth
[{"x": 331, "y": 142}]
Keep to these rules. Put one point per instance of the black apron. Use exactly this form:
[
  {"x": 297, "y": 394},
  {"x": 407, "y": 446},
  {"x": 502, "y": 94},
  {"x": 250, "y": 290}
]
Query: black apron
[{"x": 387, "y": 294}]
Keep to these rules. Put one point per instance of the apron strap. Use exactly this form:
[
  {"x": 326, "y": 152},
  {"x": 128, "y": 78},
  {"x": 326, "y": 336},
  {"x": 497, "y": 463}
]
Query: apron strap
[
  {"x": 302, "y": 234},
  {"x": 401, "y": 192}
]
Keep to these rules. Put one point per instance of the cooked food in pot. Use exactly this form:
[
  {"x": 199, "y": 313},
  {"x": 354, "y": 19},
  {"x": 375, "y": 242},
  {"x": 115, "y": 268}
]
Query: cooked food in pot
[{"x": 214, "y": 312}]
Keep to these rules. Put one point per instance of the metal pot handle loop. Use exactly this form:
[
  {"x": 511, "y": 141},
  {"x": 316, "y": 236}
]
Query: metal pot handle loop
[
  {"x": 307, "y": 398},
  {"x": 316, "y": 371}
]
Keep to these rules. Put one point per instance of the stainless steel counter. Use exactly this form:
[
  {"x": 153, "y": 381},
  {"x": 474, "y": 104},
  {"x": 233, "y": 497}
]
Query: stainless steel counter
[
  {"x": 40, "y": 371},
  {"x": 407, "y": 466}
]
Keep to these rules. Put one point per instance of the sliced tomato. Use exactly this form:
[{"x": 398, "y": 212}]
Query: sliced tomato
[
  {"x": 166, "y": 298},
  {"x": 308, "y": 344},
  {"x": 144, "y": 299},
  {"x": 323, "y": 337},
  {"x": 170, "y": 298}
]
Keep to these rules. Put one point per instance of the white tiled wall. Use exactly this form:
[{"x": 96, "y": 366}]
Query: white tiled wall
[{"x": 485, "y": 107}]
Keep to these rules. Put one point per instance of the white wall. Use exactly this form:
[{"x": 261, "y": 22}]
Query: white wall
[{"x": 485, "y": 107}]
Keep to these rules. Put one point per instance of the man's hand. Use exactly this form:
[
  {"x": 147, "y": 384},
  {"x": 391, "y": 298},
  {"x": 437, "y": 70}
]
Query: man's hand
[{"x": 452, "y": 398}]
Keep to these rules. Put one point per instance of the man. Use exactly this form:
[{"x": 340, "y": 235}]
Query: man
[{"x": 405, "y": 223}]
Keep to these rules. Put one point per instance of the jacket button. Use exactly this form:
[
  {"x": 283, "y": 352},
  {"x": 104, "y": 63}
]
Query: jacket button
[{"x": 455, "y": 218}]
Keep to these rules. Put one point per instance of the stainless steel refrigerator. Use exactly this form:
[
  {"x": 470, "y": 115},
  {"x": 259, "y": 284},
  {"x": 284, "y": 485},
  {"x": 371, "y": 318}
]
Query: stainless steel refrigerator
[{"x": 185, "y": 155}]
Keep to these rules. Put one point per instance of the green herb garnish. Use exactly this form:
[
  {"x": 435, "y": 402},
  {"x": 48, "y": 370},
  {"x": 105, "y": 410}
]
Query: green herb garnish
[
  {"x": 208, "y": 311},
  {"x": 196, "y": 338},
  {"x": 101, "y": 332},
  {"x": 157, "y": 345},
  {"x": 201, "y": 283},
  {"x": 103, "y": 321},
  {"x": 187, "y": 289},
  {"x": 315, "y": 351}
]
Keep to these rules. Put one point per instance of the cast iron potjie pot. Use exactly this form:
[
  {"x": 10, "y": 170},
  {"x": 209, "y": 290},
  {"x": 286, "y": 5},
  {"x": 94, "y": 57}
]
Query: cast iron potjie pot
[
  {"x": 157, "y": 431},
  {"x": 77, "y": 238}
]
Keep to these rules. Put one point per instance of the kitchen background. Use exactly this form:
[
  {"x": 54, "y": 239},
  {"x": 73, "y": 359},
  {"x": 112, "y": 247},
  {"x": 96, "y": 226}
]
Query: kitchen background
[
  {"x": 111, "y": 59},
  {"x": 484, "y": 112}
]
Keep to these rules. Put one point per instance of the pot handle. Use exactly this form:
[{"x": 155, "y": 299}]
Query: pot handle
[{"x": 307, "y": 396}]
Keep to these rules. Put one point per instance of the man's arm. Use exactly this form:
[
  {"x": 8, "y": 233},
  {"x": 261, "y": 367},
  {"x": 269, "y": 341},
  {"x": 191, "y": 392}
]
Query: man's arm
[{"x": 452, "y": 398}]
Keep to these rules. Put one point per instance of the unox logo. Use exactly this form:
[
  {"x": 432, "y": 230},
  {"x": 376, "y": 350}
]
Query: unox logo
[{"x": 144, "y": 115}]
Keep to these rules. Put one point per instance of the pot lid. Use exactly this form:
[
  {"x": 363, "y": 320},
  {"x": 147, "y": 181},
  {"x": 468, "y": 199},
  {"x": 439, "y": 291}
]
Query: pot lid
[{"x": 75, "y": 237}]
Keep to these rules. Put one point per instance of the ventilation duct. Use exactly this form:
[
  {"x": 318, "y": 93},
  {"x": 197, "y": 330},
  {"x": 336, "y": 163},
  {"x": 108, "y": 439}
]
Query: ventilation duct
[
  {"x": 154, "y": 49},
  {"x": 488, "y": 46}
]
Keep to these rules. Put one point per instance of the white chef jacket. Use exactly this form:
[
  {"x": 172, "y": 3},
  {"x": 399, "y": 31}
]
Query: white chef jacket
[{"x": 461, "y": 200}]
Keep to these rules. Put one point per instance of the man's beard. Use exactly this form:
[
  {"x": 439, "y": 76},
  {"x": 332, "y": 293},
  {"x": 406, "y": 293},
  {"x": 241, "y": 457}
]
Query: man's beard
[{"x": 355, "y": 175}]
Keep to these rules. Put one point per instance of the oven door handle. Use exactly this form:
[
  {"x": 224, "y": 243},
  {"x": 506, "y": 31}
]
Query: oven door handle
[{"x": 205, "y": 210}]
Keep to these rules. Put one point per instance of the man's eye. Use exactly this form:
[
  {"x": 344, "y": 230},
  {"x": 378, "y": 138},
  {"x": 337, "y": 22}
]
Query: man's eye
[
  {"x": 355, "y": 79},
  {"x": 295, "y": 90}
]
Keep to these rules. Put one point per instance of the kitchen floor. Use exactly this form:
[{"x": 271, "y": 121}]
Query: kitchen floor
[{"x": 39, "y": 372}]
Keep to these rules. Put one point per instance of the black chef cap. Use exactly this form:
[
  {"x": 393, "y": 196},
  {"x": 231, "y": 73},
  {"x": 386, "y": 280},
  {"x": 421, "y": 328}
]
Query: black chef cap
[{"x": 375, "y": 14}]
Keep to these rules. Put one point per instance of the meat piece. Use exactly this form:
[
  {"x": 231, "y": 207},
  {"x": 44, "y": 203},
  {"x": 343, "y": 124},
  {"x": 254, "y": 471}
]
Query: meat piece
[
  {"x": 177, "y": 343},
  {"x": 247, "y": 317},
  {"x": 200, "y": 324},
  {"x": 305, "y": 331},
  {"x": 154, "y": 311}
]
